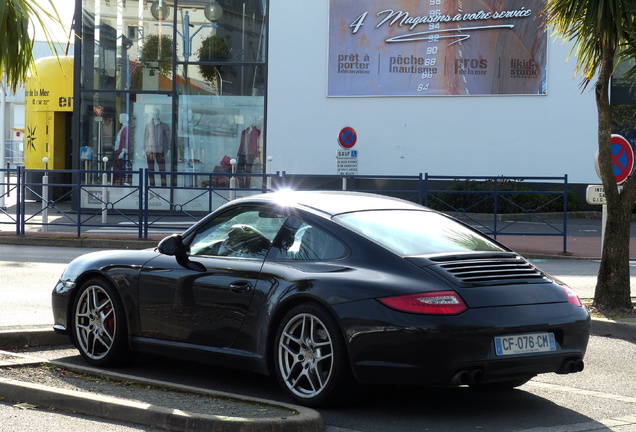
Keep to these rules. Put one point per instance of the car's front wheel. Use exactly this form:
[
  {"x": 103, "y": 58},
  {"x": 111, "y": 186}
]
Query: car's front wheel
[
  {"x": 99, "y": 324},
  {"x": 310, "y": 357}
]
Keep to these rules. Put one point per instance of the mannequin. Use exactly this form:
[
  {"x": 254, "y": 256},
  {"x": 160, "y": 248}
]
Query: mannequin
[
  {"x": 249, "y": 150},
  {"x": 156, "y": 144},
  {"x": 121, "y": 159}
]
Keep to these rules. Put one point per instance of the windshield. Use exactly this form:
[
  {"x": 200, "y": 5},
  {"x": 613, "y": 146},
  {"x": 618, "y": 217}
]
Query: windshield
[{"x": 413, "y": 232}]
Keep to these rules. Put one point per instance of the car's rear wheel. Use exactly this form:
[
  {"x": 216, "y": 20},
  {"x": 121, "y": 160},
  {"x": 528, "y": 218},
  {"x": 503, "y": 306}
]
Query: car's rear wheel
[
  {"x": 99, "y": 324},
  {"x": 310, "y": 357}
]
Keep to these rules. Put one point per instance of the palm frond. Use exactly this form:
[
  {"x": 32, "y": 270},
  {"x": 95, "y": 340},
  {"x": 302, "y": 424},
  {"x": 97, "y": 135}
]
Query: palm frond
[
  {"x": 593, "y": 26},
  {"x": 16, "y": 44}
]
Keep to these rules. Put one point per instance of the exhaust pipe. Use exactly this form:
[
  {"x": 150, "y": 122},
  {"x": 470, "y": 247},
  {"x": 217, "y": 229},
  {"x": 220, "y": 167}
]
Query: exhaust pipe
[
  {"x": 571, "y": 366},
  {"x": 476, "y": 376},
  {"x": 460, "y": 378},
  {"x": 467, "y": 377},
  {"x": 579, "y": 366}
]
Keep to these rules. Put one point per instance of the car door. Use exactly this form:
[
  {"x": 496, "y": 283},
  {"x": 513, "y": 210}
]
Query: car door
[{"x": 208, "y": 306}]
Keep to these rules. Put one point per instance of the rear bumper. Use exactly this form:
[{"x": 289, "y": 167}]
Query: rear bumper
[{"x": 419, "y": 349}]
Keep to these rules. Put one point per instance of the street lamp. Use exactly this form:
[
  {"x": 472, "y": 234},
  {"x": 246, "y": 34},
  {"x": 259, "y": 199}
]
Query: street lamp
[
  {"x": 212, "y": 11},
  {"x": 160, "y": 10}
]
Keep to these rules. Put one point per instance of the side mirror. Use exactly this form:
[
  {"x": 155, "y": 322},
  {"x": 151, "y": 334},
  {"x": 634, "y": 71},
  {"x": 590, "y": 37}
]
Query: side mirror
[{"x": 173, "y": 246}]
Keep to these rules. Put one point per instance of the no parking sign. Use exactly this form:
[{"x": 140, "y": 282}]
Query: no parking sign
[
  {"x": 347, "y": 159},
  {"x": 622, "y": 159},
  {"x": 347, "y": 137}
]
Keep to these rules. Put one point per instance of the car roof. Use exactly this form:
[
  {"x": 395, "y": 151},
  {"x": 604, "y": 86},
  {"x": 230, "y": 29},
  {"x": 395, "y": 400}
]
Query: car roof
[{"x": 335, "y": 202}]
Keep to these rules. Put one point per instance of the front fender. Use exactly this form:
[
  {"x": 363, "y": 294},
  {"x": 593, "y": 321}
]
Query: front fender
[{"x": 120, "y": 268}]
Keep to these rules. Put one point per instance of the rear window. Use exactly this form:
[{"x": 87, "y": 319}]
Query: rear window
[{"x": 413, "y": 232}]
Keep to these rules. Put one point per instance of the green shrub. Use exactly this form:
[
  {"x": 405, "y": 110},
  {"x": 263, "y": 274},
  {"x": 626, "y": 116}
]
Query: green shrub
[{"x": 472, "y": 196}]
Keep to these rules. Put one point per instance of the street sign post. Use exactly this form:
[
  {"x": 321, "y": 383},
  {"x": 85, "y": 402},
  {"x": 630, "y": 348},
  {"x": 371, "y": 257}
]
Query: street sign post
[
  {"x": 347, "y": 159},
  {"x": 595, "y": 194},
  {"x": 347, "y": 162},
  {"x": 622, "y": 164}
]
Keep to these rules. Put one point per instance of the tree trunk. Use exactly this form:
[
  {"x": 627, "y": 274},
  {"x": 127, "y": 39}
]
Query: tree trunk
[{"x": 613, "y": 283}]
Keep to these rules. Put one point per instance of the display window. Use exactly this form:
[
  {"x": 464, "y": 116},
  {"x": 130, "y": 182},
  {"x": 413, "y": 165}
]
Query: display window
[{"x": 172, "y": 86}]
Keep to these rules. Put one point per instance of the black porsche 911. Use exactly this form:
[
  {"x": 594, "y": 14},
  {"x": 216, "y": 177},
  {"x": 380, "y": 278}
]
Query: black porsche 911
[{"x": 324, "y": 290}]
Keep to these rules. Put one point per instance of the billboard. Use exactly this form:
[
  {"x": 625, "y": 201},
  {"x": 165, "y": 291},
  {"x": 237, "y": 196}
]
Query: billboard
[{"x": 436, "y": 48}]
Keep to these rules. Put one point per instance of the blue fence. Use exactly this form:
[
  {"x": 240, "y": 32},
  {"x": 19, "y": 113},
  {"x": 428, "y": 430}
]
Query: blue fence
[{"x": 146, "y": 203}]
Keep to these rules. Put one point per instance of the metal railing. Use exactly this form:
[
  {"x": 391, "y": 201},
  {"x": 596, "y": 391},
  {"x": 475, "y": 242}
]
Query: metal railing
[
  {"x": 504, "y": 199},
  {"x": 110, "y": 202},
  {"x": 14, "y": 152}
]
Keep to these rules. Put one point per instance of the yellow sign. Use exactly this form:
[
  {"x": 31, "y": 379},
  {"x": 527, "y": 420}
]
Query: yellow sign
[{"x": 49, "y": 100}]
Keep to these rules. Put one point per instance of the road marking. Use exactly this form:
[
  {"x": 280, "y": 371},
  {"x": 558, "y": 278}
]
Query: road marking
[
  {"x": 596, "y": 425},
  {"x": 592, "y": 393}
]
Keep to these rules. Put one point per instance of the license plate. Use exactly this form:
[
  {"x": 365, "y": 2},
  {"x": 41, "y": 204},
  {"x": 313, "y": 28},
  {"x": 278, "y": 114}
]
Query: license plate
[{"x": 524, "y": 343}]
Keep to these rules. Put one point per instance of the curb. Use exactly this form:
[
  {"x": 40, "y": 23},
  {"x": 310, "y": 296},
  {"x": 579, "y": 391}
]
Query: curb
[
  {"x": 301, "y": 420},
  {"x": 11, "y": 339},
  {"x": 615, "y": 329}
]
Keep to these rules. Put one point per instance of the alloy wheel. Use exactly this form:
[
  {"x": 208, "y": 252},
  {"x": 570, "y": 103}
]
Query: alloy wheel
[
  {"x": 305, "y": 355},
  {"x": 95, "y": 322}
]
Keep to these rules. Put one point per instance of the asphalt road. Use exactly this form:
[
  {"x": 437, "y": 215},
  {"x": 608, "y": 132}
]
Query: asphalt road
[{"x": 29, "y": 274}]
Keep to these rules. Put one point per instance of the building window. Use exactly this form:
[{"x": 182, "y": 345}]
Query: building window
[{"x": 132, "y": 32}]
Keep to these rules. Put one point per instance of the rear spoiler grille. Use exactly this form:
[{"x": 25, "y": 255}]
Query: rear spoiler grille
[{"x": 490, "y": 270}]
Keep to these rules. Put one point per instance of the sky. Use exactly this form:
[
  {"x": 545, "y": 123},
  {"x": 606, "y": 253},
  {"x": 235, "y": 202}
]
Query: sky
[{"x": 65, "y": 10}]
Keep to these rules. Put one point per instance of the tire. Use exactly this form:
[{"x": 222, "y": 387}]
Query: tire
[
  {"x": 99, "y": 325},
  {"x": 310, "y": 357}
]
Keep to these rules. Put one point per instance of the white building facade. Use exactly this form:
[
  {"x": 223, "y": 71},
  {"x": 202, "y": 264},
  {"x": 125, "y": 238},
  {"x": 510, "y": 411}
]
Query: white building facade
[
  {"x": 422, "y": 87},
  {"x": 478, "y": 135}
]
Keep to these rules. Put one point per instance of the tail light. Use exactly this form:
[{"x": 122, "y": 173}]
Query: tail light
[
  {"x": 572, "y": 296},
  {"x": 437, "y": 303}
]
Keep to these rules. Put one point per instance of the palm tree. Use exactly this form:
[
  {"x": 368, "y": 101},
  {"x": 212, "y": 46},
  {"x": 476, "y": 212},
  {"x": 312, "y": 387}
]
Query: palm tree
[
  {"x": 16, "y": 46},
  {"x": 602, "y": 32}
]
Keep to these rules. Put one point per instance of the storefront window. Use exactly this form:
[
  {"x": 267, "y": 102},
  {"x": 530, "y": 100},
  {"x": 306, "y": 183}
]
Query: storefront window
[
  {"x": 234, "y": 125},
  {"x": 170, "y": 85}
]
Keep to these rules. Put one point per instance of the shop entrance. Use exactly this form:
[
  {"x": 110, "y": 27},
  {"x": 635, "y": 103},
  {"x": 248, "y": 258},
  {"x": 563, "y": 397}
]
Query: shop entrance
[{"x": 48, "y": 118}]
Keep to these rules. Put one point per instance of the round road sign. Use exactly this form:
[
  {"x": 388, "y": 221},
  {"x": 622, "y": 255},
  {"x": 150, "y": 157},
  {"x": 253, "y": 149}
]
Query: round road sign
[
  {"x": 622, "y": 158},
  {"x": 347, "y": 137}
]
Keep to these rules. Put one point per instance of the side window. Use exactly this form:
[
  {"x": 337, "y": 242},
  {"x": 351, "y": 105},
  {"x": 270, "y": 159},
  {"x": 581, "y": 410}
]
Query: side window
[
  {"x": 245, "y": 232},
  {"x": 308, "y": 243}
]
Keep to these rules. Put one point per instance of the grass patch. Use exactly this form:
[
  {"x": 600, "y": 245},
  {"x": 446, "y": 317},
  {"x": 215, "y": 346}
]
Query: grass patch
[{"x": 613, "y": 314}]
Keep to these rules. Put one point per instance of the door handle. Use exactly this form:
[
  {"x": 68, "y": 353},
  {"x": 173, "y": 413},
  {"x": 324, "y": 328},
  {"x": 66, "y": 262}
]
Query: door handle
[{"x": 241, "y": 287}]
